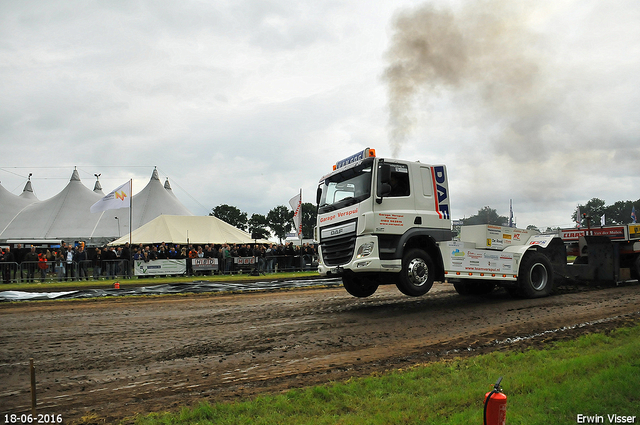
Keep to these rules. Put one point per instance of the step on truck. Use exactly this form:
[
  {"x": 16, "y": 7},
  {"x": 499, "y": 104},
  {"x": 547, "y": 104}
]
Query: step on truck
[{"x": 387, "y": 221}]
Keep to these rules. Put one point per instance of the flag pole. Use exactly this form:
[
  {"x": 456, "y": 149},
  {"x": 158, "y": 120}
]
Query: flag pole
[
  {"x": 300, "y": 225},
  {"x": 130, "y": 225}
]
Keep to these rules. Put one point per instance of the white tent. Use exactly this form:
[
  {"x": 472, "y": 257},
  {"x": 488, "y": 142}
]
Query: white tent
[
  {"x": 187, "y": 229},
  {"x": 11, "y": 205},
  {"x": 59, "y": 217},
  {"x": 155, "y": 200},
  {"x": 66, "y": 216}
]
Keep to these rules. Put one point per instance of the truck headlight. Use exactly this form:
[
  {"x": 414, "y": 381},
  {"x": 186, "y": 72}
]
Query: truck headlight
[{"x": 365, "y": 250}]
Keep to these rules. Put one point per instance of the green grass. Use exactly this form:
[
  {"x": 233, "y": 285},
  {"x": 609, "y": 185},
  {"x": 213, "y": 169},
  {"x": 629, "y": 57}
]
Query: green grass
[
  {"x": 596, "y": 374},
  {"x": 108, "y": 283}
]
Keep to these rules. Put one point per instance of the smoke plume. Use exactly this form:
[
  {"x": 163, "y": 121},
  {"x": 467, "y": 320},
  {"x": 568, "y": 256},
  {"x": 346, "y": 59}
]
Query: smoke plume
[{"x": 482, "y": 49}]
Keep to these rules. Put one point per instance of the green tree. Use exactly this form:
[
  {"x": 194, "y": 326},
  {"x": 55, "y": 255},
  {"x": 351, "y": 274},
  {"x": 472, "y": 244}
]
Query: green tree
[
  {"x": 486, "y": 215},
  {"x": 231, "y": 215},
  {"x": 592, "y": 209},
  {"x": 532, "y": 227},
  {"x": 309, "y": 215},
  {"x": 620, "y": 212},
  {"x": 258, "y": 226},
  {"x": 280, "y": 221}
]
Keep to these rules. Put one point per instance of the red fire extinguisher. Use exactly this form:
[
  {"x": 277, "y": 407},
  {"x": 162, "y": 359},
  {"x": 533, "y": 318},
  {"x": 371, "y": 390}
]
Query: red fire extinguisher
[{"x": 495, "y": 406}]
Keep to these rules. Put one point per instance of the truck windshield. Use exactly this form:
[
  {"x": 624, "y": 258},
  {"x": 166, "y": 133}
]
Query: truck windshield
[{"x": 346, "y": 188}]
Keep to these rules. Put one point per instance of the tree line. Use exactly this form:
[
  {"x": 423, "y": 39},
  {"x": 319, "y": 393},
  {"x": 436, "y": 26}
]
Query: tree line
[
  {"x": 615, "y": 214},
  {"x": 278, "y": 221}
]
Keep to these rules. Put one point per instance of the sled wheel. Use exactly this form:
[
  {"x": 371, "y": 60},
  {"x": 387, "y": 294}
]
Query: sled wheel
[{"x": 536, "y": 276}]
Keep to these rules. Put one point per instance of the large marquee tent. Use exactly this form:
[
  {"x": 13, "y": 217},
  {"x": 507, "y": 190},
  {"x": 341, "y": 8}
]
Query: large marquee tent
[
  {"x": 66, "y": 216},
  {"x": 197, "y": 230}
]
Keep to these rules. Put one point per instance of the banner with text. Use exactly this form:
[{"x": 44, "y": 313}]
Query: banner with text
[
  {"x": 159, "y": 267},
  {"x": 198, "y": 264}
]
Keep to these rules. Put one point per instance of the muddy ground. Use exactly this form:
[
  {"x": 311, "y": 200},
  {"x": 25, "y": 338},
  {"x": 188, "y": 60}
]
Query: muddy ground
[{"x": 112, "y": 358}]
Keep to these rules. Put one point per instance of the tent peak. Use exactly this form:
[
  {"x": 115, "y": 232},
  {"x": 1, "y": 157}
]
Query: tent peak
[
  {"x": 97, "y": 187},
  {"x": 75, "y": 176},
  {"x": 27, "y": 192},
  {"x": 167, "y": 185},
  {"x": 154, "y": 175}
]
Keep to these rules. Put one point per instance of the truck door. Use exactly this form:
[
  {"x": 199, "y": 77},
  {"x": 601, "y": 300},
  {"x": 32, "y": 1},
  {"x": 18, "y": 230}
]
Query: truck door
[{"x": 396, "y": 212}]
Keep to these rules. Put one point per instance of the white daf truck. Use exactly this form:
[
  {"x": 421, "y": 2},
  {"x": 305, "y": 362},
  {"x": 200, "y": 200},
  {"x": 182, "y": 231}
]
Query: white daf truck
[{"x": 387, "y": 221}]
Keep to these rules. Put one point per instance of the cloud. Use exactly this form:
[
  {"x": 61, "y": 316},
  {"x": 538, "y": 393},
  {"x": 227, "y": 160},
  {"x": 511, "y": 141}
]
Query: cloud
[{"x": 538, "y": 98}]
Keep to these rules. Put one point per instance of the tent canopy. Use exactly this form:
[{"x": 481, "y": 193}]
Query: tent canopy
[
  {"x": 178, "y": 229},
  {"x": 66, "y": 216}
]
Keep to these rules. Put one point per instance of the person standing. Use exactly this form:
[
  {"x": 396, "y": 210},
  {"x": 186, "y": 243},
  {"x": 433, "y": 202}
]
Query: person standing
[
  {"x": 69, "y": 273},
  {"x": 125, "y": 257},
  {"x": 42, "y": 265},
  {"x": 60, "y": 261},
  {"x": 18, "y": 254},
  {"x": 7, "y": 259},
  {"x": 80, "y": 258},
  {"x": 97, "y": 264},
  {"x": 31, "y": 259}
]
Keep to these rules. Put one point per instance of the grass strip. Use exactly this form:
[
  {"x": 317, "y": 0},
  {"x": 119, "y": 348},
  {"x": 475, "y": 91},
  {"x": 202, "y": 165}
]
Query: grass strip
[{"x": 596, "y": 374}]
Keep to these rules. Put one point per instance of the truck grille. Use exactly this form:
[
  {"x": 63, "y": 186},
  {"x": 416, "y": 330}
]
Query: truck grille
[
  {"x": 338, "y": 242},
  {"x": 337, "y": 251}
]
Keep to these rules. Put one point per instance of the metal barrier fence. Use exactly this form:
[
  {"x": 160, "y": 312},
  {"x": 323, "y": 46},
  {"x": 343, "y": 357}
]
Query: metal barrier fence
[{"x": 52, "y": 271}]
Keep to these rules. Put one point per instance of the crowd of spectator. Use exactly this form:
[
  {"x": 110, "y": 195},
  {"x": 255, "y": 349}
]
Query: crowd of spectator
[{"x": 74, "y": 262}]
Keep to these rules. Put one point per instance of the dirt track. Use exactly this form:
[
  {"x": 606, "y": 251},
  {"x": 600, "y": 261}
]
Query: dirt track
[{"x": 120, "y": 356}]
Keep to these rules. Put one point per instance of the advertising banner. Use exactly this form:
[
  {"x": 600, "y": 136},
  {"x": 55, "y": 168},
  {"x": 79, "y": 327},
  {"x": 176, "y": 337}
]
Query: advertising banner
[
  {"x": 204, "y": 264},
  {"x": 159, "y": 267},
  {"x": 244, "y": 261},
  {"x": 474, "y": 260},
  {"x": 613, "y": 232}
]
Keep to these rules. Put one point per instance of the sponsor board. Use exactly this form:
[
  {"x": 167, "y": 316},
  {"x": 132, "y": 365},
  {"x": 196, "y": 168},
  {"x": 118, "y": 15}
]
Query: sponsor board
[
  {"x": 204, "y": 264},
  {"x": 244, "y": 261},
  {"x": 475, "y": 260},
  {"x": 615, "y": 232},
  {"x": 159, "y": 267}
]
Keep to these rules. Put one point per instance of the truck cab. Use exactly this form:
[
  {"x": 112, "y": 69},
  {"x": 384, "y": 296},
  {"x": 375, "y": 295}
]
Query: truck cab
[{"x": 379, "y": 222}]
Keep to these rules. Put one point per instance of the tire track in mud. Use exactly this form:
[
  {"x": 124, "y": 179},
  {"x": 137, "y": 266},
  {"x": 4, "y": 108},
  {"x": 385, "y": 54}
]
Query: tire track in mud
[{"x": 117, "y": 357}]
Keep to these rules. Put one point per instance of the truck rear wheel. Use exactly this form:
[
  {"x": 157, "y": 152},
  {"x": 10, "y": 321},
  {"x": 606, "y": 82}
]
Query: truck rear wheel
[
  {"x": 535, "y": 279},
  {"x": 357, "y": 287},
  {"x": 417, "y": 275}
]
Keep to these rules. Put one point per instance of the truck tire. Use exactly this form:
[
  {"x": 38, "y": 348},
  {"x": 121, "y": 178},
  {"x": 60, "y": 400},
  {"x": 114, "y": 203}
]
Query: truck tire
[
  {"x": 418, "y": 273},
  {"x": 474, "y": 287},
  {"x": 357, "y": 287},
  {"x": 535, "y": 278}
]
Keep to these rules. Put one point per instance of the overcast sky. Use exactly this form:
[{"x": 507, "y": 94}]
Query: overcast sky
[{"x": 244, "y": 102}]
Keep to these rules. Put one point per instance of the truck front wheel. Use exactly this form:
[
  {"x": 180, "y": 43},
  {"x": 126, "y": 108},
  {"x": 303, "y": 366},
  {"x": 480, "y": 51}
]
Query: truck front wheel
[
  {"x": 536, "y": 276},
  {"x": 357, "y": 287},
  {"x": 417, "y": 275}
]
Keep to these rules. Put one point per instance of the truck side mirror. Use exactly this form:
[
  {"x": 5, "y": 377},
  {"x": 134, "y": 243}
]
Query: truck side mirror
[{"x": 318, "y": 195}]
